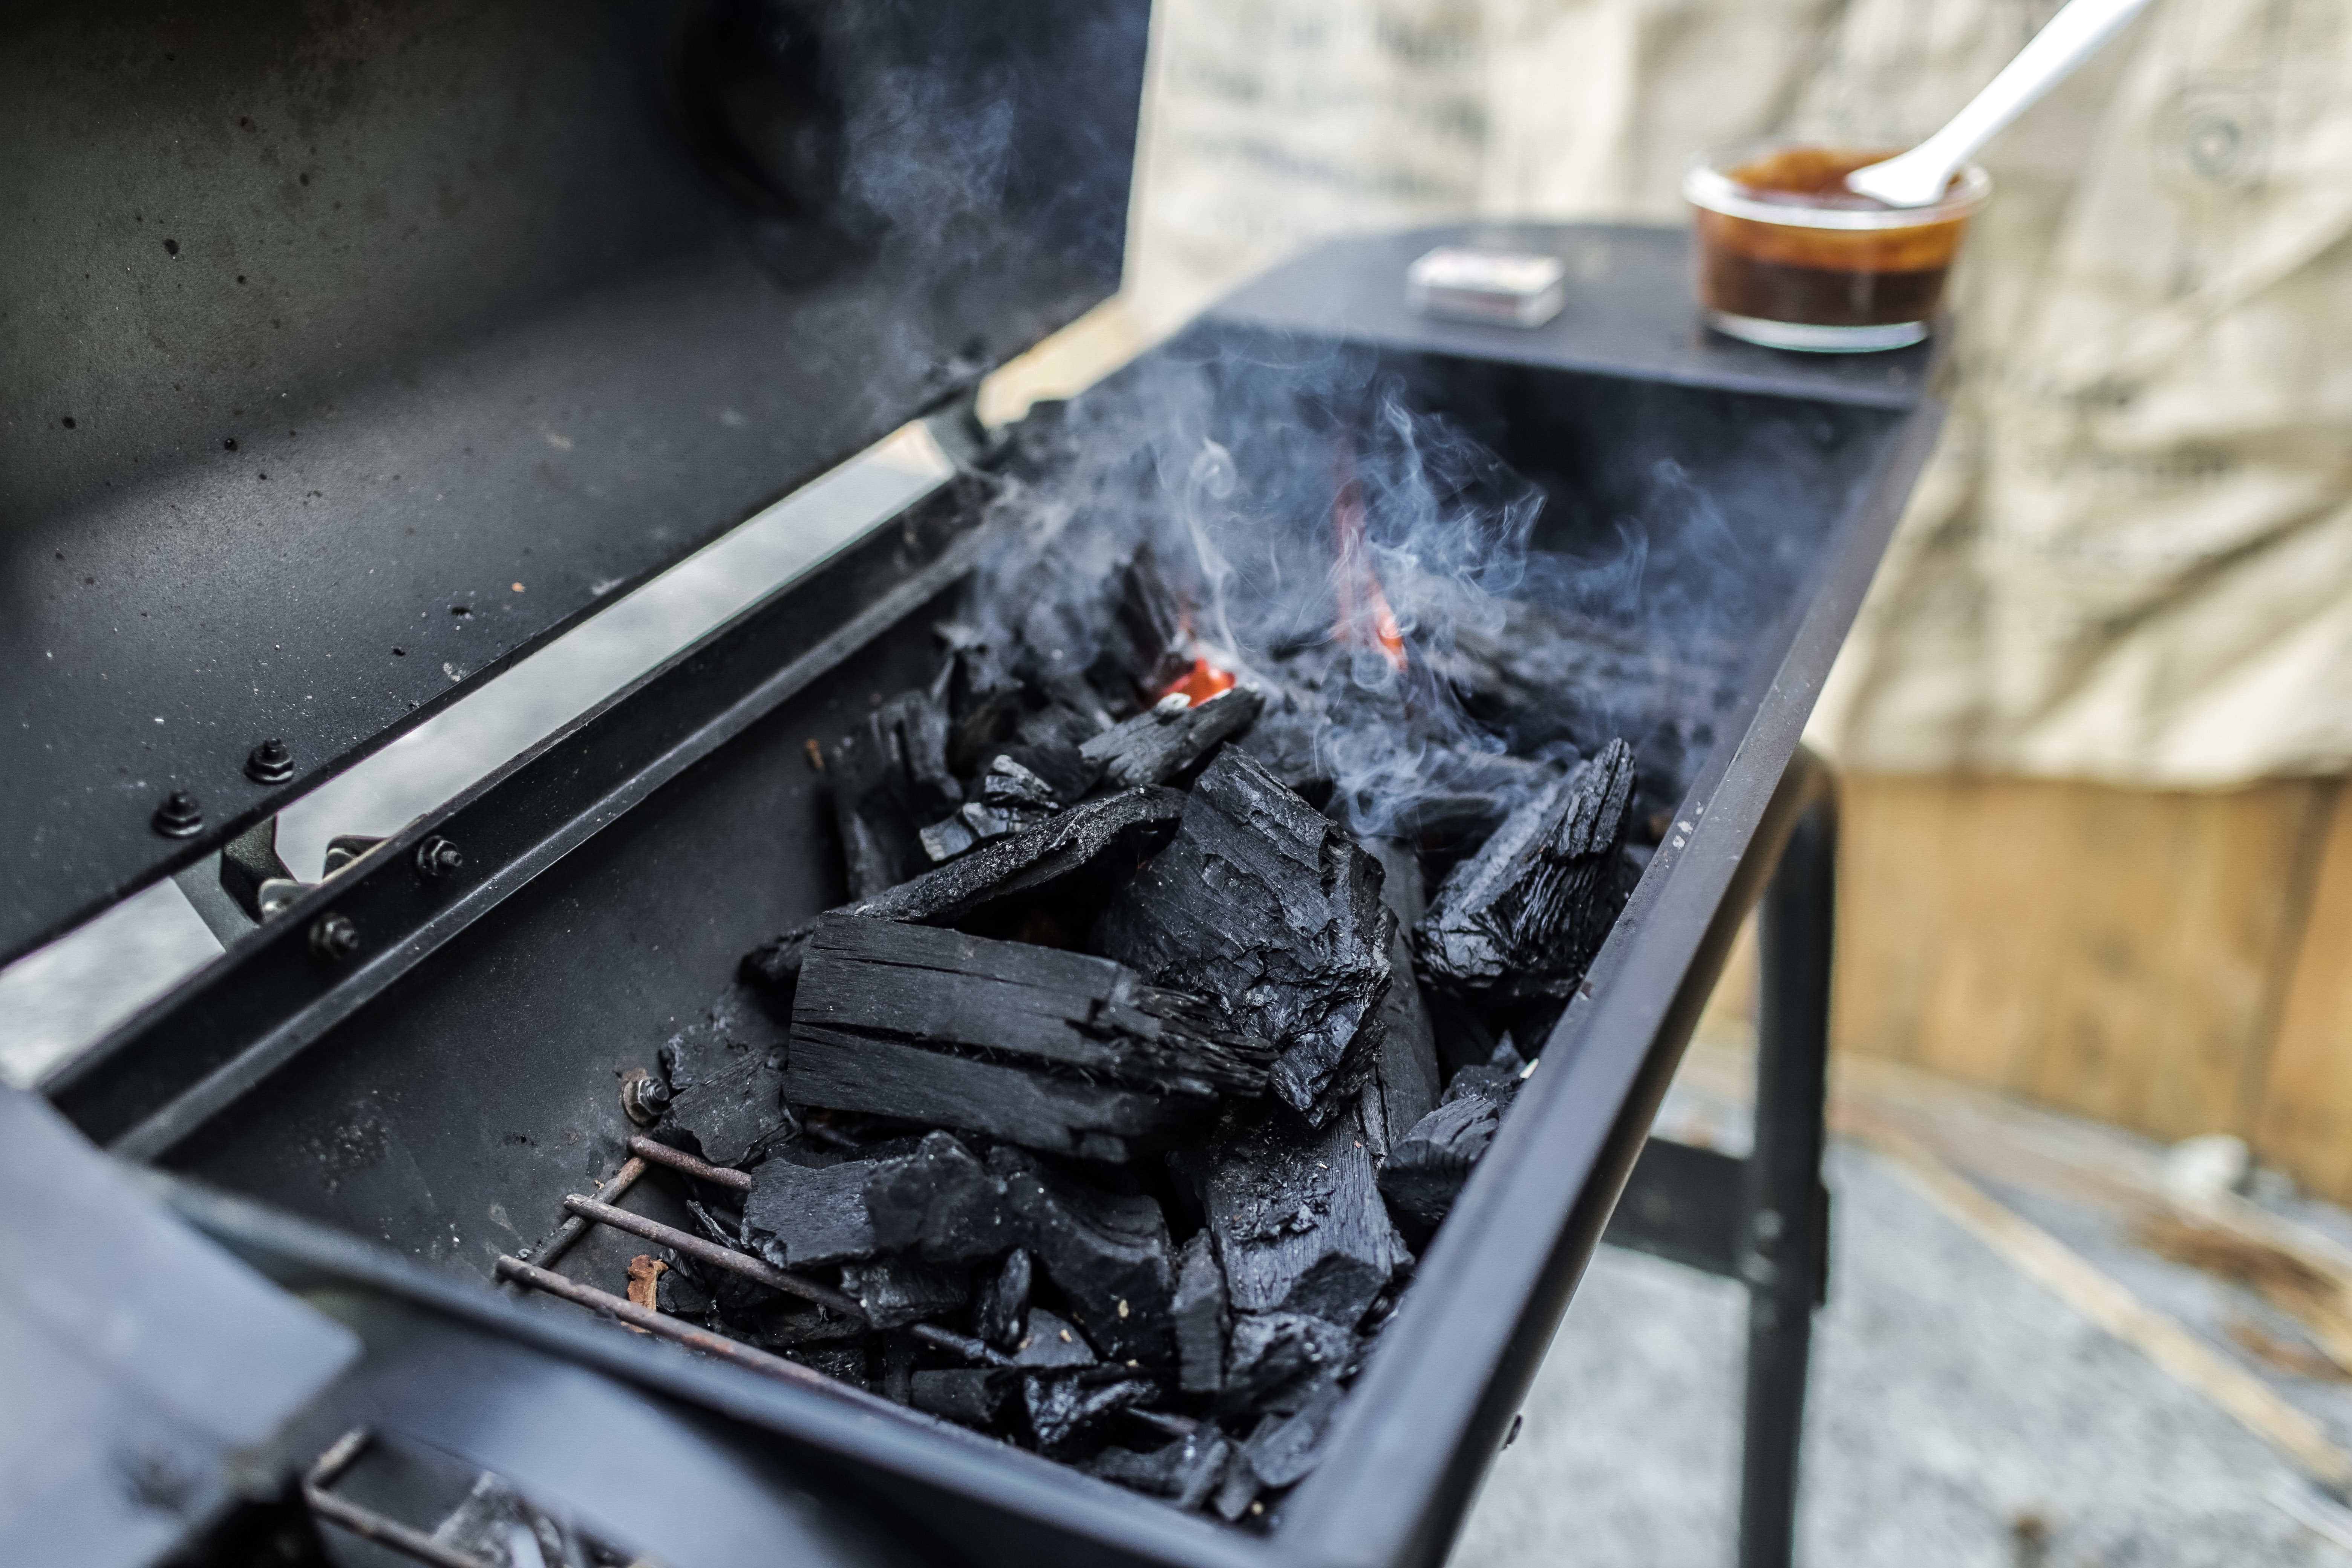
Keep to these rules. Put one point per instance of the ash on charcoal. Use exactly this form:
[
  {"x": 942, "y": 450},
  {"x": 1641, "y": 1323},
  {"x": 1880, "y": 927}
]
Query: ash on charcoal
[
  {"x": 1185, "y": 1469},
  {"x": 1059, "y": 1051},
  {"x": 890, "y": 776},
  {"x": 1051, "y": 1343},
  {"x": 1528, "y": 912},
  {"x": 1063, "y": 863},
  {"x": 975, "y": 1396},
  {"x": 725, "y": 1077},
  {"x": 1169, "y": 739},
  {"x": 1108, "y": 1253},
  {"x": 895, "y": 1292},
  {"x": 1002, "y": 1315},
  {"x": 1405, "y": 1072},
  {"x": 1426, "y": 1170},
  {"x": 937, "y": 1203},
  {"x": 1200, "y": 1317},
  {"x": 1297, "y": 1217},
  {"x": 1279, "y": 1359},
  {"x": 1275, "y": 912},
  {"x": 1063, "y": 1406}
]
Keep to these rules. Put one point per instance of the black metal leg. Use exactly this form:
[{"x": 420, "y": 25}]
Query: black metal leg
[{"x": 1785, "y": 1244}]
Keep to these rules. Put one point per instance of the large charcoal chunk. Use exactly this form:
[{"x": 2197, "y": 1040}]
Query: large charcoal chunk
[
  {"x": 1526, "y": 914},
  {"x": 1057, "y": 1050},
  {"x": 725, "y": 1075},
  {"x": 938, "y": 1204},
  {"x": 1168, "y": 739},
  {"x": 1108, "y": 1253},
  {"x": 1297, "y": 1217},
  {"x": 1276, "y": 914},
  {"x": 1064, "y": 862},
  {"x": 1200, "y": 1318},
  {"x": 890, "y": 776}
]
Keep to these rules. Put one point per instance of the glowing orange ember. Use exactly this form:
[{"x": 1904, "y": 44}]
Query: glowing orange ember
[
  {"x": 1365, "y": 618},
  {"x": 1198, "y": 684}
]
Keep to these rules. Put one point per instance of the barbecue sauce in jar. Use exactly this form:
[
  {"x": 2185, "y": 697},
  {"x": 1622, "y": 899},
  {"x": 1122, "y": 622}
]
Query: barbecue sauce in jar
[{"x": 1788, "y": 256}]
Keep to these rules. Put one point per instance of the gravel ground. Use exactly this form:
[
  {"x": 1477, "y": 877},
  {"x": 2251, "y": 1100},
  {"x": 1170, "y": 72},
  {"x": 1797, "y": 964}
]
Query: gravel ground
[{"x": 1954, "y": 1404}]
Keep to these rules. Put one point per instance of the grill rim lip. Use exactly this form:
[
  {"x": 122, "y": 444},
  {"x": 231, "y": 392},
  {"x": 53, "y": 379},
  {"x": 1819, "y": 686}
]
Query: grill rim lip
[{"x": 1362, "y": 1506}]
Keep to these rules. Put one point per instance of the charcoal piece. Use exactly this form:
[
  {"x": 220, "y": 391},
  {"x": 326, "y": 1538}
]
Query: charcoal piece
[
  {"x": 798, "y": 1216},
  {"x": 680, "y": 1294},
  {"x": 895, "y": 1292},
  {"x": 1278, "y": 1358},
  {"x": 1168, "y": 739},
  {"x": 982, "y": 699},
  {"x": 938, "y": 1204},
  {"x": 1526, "y": 914},
  {"x": 1297, "y": 1218},
  {"x": 1003, "y": 1312},
  {"x": 974, "y": 1396},
  {"x": 1108, "y": 1253},
  {"x": 889, "y": 776},
  {"x": 1060, "y": 1051},
  {"x": 1238, "y": 1487},
  {"x": 1061, "y": 861},
  {"x": 1405, "y": 1072},
  {"x": 1048, "y": 1341},
  {"x": 1273, "y": 911},
  {"x": 1200, "y": 1317},
  {"x": 899, "y": 1369},
  {"x": 1283, "y": 1450},
  {"x": 1185, "y": 1469},
  {"x": 1144, "y": 641},
  {"x": 1009, "y": 783},
  {"x": 1063, "y": 1406},
  {"x": 1426, "y": 1170},
  {"x": 790, "y": 1323},
  {"x": 1497, "y": 1076},
  {"x": 842, "y": 1363},
  {"x": 725, "y": 1076},
  {"x": 1057, "y": 760},
  {"x": 976, "y": 823}
]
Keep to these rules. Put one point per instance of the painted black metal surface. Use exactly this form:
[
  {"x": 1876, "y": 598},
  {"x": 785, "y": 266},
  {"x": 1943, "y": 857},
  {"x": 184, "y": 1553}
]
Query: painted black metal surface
[
  {"x": 347, "y": 354},
  {"x": 443, "y": 1093}
]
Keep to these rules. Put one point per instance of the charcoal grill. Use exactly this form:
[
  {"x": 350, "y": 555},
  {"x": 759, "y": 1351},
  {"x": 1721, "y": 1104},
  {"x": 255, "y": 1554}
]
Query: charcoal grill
[{"x": 423, "y": 1054}]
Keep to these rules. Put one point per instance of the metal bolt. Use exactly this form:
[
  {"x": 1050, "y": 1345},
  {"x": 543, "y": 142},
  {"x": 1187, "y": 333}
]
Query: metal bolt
[
  {"x": 333, "y": 937},
  {"x": 270, "y": 762},
  {"x": 1768, "y": 1228},
  {"x": 179, "y": 815},
  {"x": 437, "y": 857}
]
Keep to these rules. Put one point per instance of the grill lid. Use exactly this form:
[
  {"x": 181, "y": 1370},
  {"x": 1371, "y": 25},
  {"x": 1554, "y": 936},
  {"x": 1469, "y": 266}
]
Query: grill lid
[{"x": 346, "y": 355}]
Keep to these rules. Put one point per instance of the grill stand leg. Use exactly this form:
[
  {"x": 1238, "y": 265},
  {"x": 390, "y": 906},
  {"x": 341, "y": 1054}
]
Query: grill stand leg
[{"x": 1784, "y": 1240}]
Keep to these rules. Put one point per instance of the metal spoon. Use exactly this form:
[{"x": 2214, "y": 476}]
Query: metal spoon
[{"x": 1917, "y": 178}]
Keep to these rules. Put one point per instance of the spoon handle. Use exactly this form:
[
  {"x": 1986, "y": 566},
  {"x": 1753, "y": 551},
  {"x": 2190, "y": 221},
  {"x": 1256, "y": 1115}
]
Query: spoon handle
[{"x": 2076, "y": 33}]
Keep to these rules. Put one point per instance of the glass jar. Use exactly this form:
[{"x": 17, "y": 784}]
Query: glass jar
[{"x": 1788, "y": 258}]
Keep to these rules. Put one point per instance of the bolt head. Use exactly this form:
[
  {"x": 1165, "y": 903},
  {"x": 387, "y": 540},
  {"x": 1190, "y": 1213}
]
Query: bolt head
[
  {"x": 437, "y": 857},
  {"x": 271, "y": 763},
  {"x": 180, "y": 816},
  {"x": 334, "y": 937}
]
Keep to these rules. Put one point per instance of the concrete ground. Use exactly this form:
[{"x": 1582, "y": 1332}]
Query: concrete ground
[{"x": 1959, "y": 1412}]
